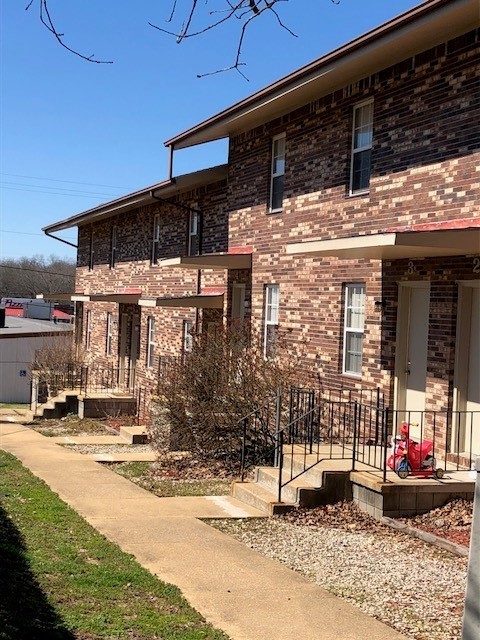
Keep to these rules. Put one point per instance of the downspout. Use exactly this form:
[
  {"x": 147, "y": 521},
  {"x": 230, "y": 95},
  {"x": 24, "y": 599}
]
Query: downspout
[
  {"x": 170, "y": 162},
  {"x": 50, "y": 235}
]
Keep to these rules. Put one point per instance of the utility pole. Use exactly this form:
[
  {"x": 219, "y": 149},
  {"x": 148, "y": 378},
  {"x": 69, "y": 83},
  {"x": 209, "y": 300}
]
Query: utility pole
[{"x": 471, "y": 617}]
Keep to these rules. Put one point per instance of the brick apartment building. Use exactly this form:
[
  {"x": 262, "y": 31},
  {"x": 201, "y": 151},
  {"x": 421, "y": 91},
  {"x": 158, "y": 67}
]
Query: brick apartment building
[{"x": 347, "y": 216}]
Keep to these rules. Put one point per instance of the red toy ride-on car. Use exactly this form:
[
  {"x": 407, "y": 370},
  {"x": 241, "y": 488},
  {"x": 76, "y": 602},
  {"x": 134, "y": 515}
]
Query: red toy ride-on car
[{"x": 413, "y": 458}]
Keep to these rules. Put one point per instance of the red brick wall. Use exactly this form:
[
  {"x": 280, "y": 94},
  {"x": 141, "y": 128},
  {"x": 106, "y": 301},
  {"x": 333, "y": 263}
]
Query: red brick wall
[
  {"x": 133, "y": 269},
  {"x": 425, "y": 162}
]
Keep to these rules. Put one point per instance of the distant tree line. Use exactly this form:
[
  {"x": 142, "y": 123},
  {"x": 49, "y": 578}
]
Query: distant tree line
[{"x": 27, "y": 277}]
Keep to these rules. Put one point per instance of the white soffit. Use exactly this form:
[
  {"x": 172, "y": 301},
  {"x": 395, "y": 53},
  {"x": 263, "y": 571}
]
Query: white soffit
[
  {"x": 394, "y": 246},
  {"x": 211, "y": 261},
  {"x": 194, "y": 301}
]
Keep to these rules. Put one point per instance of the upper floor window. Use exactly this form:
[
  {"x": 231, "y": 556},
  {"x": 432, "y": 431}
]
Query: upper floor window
[
  {"x": 270, "y": 320},
  {"x": 108, "y": 345},
  {"x": 362, "y": 138},
  {"x": 156, "y": 239},
  {"x": 277, "y": 182},
  {"x": 353, "y": 328},
  {"x": 113, "y": 247},
  {"x": 194, "y": 233},
  {"x": 91, "y": 256},
  {"x": 150, "y": 341}
]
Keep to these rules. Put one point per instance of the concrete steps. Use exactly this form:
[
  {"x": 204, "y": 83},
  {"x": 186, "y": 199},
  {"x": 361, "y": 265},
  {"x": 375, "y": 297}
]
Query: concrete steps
[
  {"x": 58, "y": 407},
  {"x": 134, "y": 435},
  {"x": 319, "y": 485}
]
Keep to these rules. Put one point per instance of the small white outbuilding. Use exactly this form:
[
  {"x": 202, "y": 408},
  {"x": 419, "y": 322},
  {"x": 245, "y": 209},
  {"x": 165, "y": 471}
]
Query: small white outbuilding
[{"x": 19, "y": 340}]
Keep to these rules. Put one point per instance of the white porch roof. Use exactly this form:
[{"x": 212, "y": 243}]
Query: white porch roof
[{"x": 395, "y": 245}]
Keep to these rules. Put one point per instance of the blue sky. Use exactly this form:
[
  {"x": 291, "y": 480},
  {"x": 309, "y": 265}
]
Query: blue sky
[{"x": 75, "y": 134}]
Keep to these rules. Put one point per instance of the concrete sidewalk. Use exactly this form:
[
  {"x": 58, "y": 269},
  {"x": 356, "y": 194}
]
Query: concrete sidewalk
[{"x": 248, "y": 596}]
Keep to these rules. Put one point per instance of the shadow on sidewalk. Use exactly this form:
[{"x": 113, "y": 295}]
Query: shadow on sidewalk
[{"x": 25, "y": 612}]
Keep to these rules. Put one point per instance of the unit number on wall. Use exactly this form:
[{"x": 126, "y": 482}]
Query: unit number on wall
[
  {"x": 476, "y": 265},
  {"x": 411, "y": 267}
]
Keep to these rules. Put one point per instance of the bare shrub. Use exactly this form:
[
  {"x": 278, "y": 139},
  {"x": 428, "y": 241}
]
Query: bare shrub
[
  {"x": 203, "y": 396},
  {"x": 58, "y": 367}
]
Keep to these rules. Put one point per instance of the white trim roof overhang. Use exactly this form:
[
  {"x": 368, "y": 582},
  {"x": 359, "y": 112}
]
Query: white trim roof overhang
[
  {"x": 63, "y": 297},
  {"x": 416, "y": 30},
  {"x": 119, "y": 298},
  {"x": 168, "y": 188},
  {"x": 394, "y": 245},
  {"x": 211, "y": 261},
  {"x": 198, "y": 301}
]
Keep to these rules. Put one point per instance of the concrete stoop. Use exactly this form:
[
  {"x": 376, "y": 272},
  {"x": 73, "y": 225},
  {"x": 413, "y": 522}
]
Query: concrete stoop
[
  {"x": 408, "y": 497},
  {"x": 330, "y": 481}
]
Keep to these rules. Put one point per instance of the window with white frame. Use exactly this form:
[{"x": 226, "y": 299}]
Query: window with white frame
[
  {"x": 91, "y": 257},
  {"x": 156, "y": 239},
  {"x": 354, "y": 325},
  {"x": 88, "y": 330},
  {"x": 150, "y": 341},
  {"x": 270, "y": 320},
  {"x": 113, "y": 247},
  {"x": 108, "y": 345},
  {"x": 277, "y": 183},
  {"x": 187, "y": 336},
  {"x": 362, "y": 138},
  {"x": 194, "y": 233}
]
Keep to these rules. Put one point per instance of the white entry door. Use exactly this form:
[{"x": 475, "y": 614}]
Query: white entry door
[
  {"x": 466, "y": 435},
  {"x": 411, "y": 352}
]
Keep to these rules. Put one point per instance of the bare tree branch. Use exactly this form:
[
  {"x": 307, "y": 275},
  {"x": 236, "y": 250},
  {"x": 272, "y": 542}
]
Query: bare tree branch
[
  {"x": 47, "y": 21},
  {"x": 244, "y": 11}
]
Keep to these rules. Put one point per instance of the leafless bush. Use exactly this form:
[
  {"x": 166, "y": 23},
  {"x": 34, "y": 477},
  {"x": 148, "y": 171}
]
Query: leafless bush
[
  {"x": 203, "y": 396},
  {"x": 58, "y": 367}
]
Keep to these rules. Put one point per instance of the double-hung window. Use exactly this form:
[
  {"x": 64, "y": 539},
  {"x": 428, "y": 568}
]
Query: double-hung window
[
  {"x": 156, "y": 239},
  {"x": 108, "y": 345},
  {"x": 194, "y": 234},
  {"x": 88, "y": 330},
  {"x": 362, "y": 138},
  {"x": 277, "y": 182},
  {"x": 187, "y": 336},
  {"x": 270, "y": 320},
  {"x": 113, "y": 247},
  {"x": 353, "y": 328},
  {"x": 150, "y": 341}
]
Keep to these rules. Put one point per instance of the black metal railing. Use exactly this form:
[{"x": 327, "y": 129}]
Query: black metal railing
[
  {"x": 259, "y": 436},
  {"x": 52, "y": 382},
  {"x": 338, "y": 426},
  {"x": 100, "y": 378}
]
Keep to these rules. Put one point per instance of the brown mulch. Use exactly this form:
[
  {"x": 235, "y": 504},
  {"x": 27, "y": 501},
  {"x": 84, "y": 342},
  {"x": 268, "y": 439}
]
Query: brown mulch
[
  {"x": 191, "y": 467},
  {"x": 453, "y": 521}
]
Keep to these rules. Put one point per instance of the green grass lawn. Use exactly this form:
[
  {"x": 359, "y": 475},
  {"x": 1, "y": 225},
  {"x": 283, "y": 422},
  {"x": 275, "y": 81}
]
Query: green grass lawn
[
  {"x": 62, "y": 580},
  {"x": 148, "y": 477},
  {"x": 13, "y": 405}
]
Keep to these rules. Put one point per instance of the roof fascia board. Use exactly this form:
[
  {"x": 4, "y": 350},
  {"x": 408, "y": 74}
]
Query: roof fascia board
[
  {"x": 170, "y": 187},
  {"x": 418, "y": 21}
]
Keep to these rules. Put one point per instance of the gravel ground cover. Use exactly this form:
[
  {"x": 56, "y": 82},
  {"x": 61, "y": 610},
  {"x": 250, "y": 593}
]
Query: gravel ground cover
[{"x": 414, "y": 587}]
